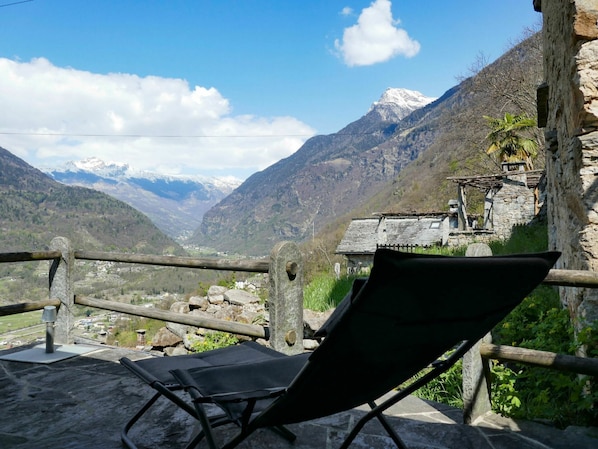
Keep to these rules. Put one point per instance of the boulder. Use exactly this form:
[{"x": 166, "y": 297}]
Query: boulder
[
  {"x": 180, "y": 307},
  {"x": 165, "y": 338},
  {"x": 198, "y": 302},
  {"x": 312, "y": 321},
  {"x": 240, "y": 297},
  {"x": 216, "y": 294}
]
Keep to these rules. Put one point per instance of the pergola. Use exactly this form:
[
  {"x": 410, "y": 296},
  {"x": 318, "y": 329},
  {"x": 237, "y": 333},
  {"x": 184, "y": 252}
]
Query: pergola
[{"x": 490, "y": 184}]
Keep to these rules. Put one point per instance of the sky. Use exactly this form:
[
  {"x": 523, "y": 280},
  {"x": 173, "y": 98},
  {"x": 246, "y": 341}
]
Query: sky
[{"x": 224, "y": 87}]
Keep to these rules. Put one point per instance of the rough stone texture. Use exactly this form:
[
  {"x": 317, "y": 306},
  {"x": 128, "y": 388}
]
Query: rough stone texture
[
  {"x": 198, "y": 302},
  {"x": 164, "y": 338},
  {"x": 240, "y": 297},
  {"x": 513, "y": 205},
  {"x": 571, "y": 71},
  {"x": 216, "y": 294},
  {"x": 236, "y": 305},
  {"x": 180, "y": 307},
  {"x": 313, "y": 321}
]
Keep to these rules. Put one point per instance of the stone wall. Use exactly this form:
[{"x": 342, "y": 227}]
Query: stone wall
[
  {"x": 513, "y": 204},
  {"x": 570, "y": 33}
]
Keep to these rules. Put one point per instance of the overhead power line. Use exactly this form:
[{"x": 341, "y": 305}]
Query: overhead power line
[
  {"x": 179, "y": 136},
  {"x": 152, "y": 136},
  {"x": 4, "y": 5}
]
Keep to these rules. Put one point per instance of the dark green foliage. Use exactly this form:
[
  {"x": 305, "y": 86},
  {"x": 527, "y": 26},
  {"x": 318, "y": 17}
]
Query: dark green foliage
[{"x": 539, "y": 322}]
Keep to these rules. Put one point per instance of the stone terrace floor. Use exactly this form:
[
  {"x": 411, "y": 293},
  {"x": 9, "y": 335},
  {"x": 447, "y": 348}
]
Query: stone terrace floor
[{"x": 83, "y": 402}]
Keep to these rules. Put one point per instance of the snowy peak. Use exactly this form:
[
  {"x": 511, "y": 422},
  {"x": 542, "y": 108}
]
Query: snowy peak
[
  {"x": 175, "y": 204},
  {"x": 98, "y": 167},
  {"x": 397, "y": 103}
]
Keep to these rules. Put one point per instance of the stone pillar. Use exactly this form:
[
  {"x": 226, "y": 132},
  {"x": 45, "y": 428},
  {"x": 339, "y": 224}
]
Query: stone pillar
[
  {"x": 61, "y": 287},
  {"x": 570, "y": 33},
  {"x": 476, "y": 370},
  {"x": 286, "y": 298}
]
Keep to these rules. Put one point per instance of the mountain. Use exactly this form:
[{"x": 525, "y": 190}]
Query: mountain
[
  {"x": 390, "y": 160},
  {"x": 323, "y": 179},
  {"x": 34, "y": 209},
  {"x": 175, "y": 204}
]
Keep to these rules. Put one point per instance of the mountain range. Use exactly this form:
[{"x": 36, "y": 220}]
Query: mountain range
[
  {"x": 396, "y": 158},
  {"x": 35, "y": 208},
  {"x": 176, "y": 204},
  {"x": 325, "y": 178}
]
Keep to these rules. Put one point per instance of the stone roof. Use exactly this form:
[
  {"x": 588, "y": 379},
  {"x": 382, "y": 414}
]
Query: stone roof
[{"x": 365, "y": 234}]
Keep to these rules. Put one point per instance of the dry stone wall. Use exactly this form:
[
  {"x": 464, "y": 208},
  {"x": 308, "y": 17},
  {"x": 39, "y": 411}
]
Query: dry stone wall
[
  {"x": 570, "y": 33},
  {"x": 224, "y": 304}
]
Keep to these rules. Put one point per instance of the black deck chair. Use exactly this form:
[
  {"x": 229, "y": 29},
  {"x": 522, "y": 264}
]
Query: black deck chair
[{"x": 409, "y": 313}]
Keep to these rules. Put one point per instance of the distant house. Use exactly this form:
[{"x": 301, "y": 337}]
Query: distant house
[
  {"x": 399, "y": 231},
  {"x": 512, "y": 197}
]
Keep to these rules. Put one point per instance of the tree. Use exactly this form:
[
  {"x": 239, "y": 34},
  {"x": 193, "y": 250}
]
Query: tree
[{"x": 508, "y": 140}]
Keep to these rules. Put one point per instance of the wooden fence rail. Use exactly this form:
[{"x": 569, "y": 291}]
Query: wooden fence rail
[
  {"x": 561, "y": 362},
  {"x": 255, "y": 266},
  {"x": 173, "y": 317},
  {"x": 286, "y": 307}
]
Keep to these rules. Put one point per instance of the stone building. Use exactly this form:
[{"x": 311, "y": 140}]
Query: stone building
[
  {"x": 511, "y": 198},
  {"x": 568, "y": 110},
  {"x": 398, "y": 231}
]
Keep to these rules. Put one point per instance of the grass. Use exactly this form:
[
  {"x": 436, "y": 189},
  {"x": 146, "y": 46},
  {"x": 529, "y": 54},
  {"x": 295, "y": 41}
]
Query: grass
[
  {"x": 325, "y": 292},
  {"x": 19, "y": 321}
]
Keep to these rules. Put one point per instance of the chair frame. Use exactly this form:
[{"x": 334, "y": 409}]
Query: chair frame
[{"x": 273, "y": 390}]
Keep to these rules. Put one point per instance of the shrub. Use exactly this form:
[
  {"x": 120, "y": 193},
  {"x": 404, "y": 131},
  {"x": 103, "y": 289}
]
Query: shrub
[{"x": 213, "y": 340}]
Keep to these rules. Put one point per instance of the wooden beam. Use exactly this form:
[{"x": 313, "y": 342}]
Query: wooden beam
[
  {"x": 579, "y": 365},
  {"x": 181, "y": 318},
  {"x": 29, "y": 256},
  {"x": 255, "y": 266},
  {"x": 22, "y": 307}
]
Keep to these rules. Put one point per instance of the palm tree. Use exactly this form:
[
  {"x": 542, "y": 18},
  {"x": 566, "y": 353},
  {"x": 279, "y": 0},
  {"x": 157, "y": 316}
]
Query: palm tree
[{"x": 508, "y": 142}]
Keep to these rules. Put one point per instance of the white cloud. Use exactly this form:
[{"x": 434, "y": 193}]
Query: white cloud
[
  {"x": 375, "y": 38},
  {"x": 346, "y": 11},
  {"x": 51, "y": 115}
]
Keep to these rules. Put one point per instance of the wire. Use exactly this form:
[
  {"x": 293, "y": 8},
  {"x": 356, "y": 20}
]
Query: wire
[
  {"x": 179, "y": 136},
  {"x": 14, "y": 3},
  {"x": 161, "y": 136}
]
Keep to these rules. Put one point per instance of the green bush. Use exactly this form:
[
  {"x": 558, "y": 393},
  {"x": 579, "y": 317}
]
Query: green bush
[
  {"x": 213, "y": 340},
  {"x": 539, "y": 322}
]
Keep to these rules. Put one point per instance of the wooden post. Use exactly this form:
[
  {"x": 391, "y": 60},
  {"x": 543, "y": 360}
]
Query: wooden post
[
  {"x": 476, "y": 370},
  {"x": 286, "y": 298},
  {"x": 462, "y": 211},
  {"x": 61, "y": 288}
]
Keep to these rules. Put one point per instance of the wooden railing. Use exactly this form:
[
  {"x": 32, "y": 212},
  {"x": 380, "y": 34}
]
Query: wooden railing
[
  {"x": 285, "y": 329},
  {"x": 285, "y": 300}
]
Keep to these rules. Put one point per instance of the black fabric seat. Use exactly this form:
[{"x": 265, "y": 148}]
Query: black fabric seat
[{"x": 410, "y": 311}]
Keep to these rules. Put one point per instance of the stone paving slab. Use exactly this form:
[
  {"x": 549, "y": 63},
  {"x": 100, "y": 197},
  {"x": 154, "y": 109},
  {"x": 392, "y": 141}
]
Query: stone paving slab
[{"x": 83, "y": 403}]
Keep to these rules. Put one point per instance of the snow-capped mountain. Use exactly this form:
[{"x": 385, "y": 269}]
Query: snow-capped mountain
[
  {"x": 398, "y": 103},
  {"x": 175, "y": 204}
]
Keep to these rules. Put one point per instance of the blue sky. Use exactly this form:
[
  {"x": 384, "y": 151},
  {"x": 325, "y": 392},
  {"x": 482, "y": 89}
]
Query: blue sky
[{"x": 223, "y": 87}]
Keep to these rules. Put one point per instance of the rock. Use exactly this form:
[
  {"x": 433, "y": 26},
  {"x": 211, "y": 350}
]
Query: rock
[
  {"x": 179, "y": 329},
  {"x": 216, "y": 294},
  {"x": 310, "y": 345},
  {"x": 165, "y": 338},
  {"x": 312, "y": 321},
  {"x": 198, "y": 302},
  {"x": 179, "y": 307},
  {"x": 240, "y": 297},
  {"x": 177, "y": 350}
]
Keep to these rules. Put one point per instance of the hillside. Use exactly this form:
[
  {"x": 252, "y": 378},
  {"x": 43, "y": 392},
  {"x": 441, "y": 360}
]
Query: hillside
[
  {"x": 34, "y": 209},
  {"x": 377, "y": 163},
  {"x": 323, "y": 179}
]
